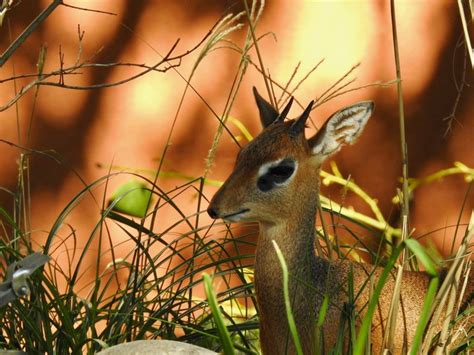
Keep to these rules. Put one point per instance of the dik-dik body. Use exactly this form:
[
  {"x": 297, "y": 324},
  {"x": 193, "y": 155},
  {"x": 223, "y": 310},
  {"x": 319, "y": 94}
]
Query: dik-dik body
[{"x": 276, "y": 182}]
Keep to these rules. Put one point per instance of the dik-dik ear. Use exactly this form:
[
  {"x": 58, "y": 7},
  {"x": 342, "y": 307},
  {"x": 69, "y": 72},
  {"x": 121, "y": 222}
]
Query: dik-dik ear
[{"x": 343, "y": 127}]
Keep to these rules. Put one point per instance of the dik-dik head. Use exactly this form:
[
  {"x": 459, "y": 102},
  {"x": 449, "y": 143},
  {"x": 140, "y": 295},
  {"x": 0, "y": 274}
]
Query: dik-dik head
[{"x": 278, "y": 172}]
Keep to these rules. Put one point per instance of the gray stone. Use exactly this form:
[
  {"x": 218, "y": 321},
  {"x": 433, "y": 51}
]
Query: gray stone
[{"x": 164, "y": 347}]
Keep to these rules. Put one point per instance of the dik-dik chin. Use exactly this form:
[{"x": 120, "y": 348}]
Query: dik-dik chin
[{"x": 276, "y": 182}]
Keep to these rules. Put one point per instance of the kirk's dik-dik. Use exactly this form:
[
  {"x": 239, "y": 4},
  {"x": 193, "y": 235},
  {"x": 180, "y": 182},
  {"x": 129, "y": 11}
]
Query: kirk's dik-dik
[{"x": 276, "y": 182}]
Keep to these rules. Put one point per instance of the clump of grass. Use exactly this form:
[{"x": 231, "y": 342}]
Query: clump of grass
[{"x": 151, "y": 292}]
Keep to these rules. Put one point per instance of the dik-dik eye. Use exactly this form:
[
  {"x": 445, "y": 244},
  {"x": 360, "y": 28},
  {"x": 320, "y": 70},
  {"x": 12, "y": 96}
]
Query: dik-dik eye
[{"x": 275, "y": 174}]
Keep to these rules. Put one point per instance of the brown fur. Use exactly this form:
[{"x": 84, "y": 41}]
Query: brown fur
[{"x": 287, "y": 216}]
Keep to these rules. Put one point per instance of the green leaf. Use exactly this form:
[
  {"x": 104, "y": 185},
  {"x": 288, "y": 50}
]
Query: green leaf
[
  {"x": 417, "y": 249},
  {"x": 131, "y": 198}
]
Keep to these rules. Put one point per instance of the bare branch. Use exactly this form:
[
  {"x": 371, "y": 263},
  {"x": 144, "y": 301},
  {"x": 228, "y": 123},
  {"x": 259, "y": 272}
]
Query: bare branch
[
  {"x": 451, "y": 118},
  {"x": 90, "y": 10},
  {"x": 29, "y": 30},
  {"x": 167, "y": 62},
  {"x": 62, "y": 72}
]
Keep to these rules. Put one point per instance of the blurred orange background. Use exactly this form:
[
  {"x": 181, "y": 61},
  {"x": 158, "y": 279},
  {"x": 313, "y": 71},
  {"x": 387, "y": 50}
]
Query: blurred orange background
[{"x": 128, "y": 125}]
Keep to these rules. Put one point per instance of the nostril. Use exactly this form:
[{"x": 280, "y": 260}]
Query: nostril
[{"x": 212, "y": 212}]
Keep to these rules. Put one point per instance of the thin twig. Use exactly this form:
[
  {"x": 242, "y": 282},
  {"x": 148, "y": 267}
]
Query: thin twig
[
  {"x": 465, "y": 27},
  {"x": 320, "y": 98},
  {"x": 28, "y": 31},
  {"x": 343, "y": 92},
  {"x": 401, "y": 113},
  {"x": 259, "y": 55},
  {"x": 303, "y": 79},
  {"x": 285, "y": 89},
  {"x": 90, "y": 10},
  {"x": 451, "y": 118}
]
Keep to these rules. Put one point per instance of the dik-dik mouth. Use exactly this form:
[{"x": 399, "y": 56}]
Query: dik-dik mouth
[{"x": 235, "y": 217}]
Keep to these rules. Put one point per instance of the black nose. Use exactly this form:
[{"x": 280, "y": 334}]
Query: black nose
[{"x": 212, "y": 212}]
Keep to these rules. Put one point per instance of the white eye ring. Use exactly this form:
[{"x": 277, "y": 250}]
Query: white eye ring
[{"x": 264, "y": 169}]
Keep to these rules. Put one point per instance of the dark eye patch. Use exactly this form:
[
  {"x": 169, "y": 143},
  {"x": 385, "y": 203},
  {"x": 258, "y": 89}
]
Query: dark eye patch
[
  {"x": 281, "y": 173},
  {"x": 276, "y": 175},
  {"x": 264, "y": 183}
]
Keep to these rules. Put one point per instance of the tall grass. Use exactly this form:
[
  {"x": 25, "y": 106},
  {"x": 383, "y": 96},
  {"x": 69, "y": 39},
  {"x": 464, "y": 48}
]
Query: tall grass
[
  {"x": 152, "y": 292},
  {"x": 156, "y": 289}
]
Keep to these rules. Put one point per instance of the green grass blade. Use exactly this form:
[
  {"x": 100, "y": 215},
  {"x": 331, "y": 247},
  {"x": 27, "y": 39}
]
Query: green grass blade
[
  {"x": 241, "y": 127},
  {"x": 367, "y": 321},
  {"x": 417, "y": 249},
  {"x": 425, "y": 315},
  {"x": 323, "y": 311},
  {"x": 221, "y": 328},
  {"x": 319, "y": 325},
  {"x": 286, "y": 295}
]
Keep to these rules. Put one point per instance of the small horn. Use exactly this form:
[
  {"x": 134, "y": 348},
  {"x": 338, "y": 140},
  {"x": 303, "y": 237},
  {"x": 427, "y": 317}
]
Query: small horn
[
  {"x": 268, "y": 114},
  {"x": 281, "y": 117},
  {"x": 298, "y": 126}
]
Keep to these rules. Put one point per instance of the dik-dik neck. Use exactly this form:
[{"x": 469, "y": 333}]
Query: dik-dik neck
[
  {"x": 295, "y": 237},
  {"x": 307, "y": 279}
]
